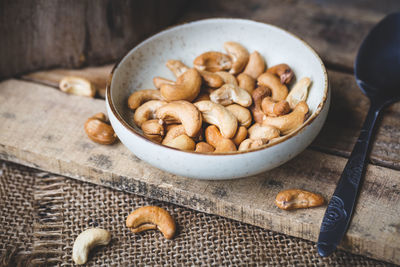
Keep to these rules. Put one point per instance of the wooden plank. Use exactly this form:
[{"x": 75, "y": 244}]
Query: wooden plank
[
  {"x": 43, "y": 128},
  {"x": 334, "y": 28}
]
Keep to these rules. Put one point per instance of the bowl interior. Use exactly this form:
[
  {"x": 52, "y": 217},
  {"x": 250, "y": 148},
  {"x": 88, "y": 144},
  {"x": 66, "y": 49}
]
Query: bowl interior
[{"x": 185, "y": 42}]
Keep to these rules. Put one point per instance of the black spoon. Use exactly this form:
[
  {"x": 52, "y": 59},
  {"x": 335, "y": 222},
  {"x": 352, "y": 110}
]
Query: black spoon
[{"x": 377, "y": 72}]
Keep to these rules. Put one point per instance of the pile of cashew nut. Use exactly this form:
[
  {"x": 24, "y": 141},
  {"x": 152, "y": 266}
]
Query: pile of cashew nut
[{"x": 225, "y": 103}]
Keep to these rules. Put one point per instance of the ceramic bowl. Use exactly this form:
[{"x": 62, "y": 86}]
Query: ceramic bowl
[{"x": 184, "y": 42}]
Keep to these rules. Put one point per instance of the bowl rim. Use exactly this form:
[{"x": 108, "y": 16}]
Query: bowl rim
[{"x": 186, "y": 24}]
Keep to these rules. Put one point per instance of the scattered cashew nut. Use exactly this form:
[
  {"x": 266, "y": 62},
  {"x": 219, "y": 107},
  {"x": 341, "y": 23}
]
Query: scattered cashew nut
[
  {"x": 298, "y": 199},
  {"x": 299, "y": 92},
  {"x": 256, "y": 65},
  {"x": 263, "y": 132},
  {"x": 151, "y": 217},
  {"x": 139, "y": 97},
  {"x": 204, "y": 147},
  {"x": 154, "y": 130},
  {"x": 213, "y": 61},
  {"x": 186, "y": 87},
  {"x": 274, "y": 109},
  {"x": 242, "y": 114},
  {"x": 147, "y": 111},
  {"x": 77, "y": 86},
  {"x": 87, "y": 240},
  {"x": 218, "y": 115},
  {"x": 182, "y": 142},
  {"x": 215, "y": 138},
  {"x": 284, "y": 72},
  {"x": 246, "y": 82},
  {"x": 279, "y": 90},
  {"x": 239, "y": 54},
  {"x": 99, "y": 130},
  {"x": 229, "y": 94}
]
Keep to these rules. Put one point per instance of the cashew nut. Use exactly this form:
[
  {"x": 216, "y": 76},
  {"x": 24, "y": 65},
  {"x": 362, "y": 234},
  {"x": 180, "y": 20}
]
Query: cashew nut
[
  {"x": 240, "y": 135},
  {"x": 239, "y": 54},
  {"x": 204, "y": 147},
  {"x": 211, "y": 79},
  {"x": 177, "y": 67},
  {"x": 99, "y": 130},
  {"x": 274, "y": 109},
  {"x": 284, "y": 72},
  {"x": 158, "y": 81},
  {"x": 77, "y": 86},
  {"x": 227, "y": 77},
  {"x": 242, "y": 114},
  {"x": 299, "y": 92},
  {"x": 291, "y": 121},
  {"x": 279, "y": 90},
  {"x": 182, "y": 142},
  {"x": 297, "y": 199},
  {"x": 251, "y": 144},
  {"x": 186, "y": 87},
  {"x": 154, "y": 130},
  {"x": 256, "y": 65},
  {"x": 184, "y": 112},
  {"x": 246, "y": 82},
  {"x": 258, "y": 95},
  {"x": 215, "y": 138},
  {"x": 173, "y": 131},
  {"x": 263, "y": 132},
  {"x": 87, "y": 240},
  {"x": 229, "y": 94},
  {"x": 213, "y": 61},
  {"x": 147, "y": 111},
  {"x": 151, "y": 217},
  {"x": 218, "y": 115},
  {"x": 141, "y": 96}
]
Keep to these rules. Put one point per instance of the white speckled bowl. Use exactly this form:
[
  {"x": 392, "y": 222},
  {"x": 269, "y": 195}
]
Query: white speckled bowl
[{"x": 184, "y": 42}]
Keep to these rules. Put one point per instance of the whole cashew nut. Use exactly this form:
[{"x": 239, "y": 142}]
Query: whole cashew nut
[
  {"x": 182, "y": 142},
  {"x": 279, "y": 90},
  {"x": 258, "y": 95},
  {"x": 177, "y": 67},
  {"x": 172, "y": 132},
  {"x": 186, "y": 87},
  {"x": 239, "y": 54},
  {"x": 158, "y": 81},
  {"x": 139, "y": 97},
  {"x": 184, "y": 112},
  {"x": 99, "y": 130},
  {"x": 246, "y": 82},
  {"x": 229, "y": 94},
  {"x": 284, "y": 72},
  {"x": 154, "y": 130},
  {"x": 297, "y": 199},
  {"x": 263, "y": 132},
  {"x": 274, "y": 109},
  {"x": 204, "y": 147},
  {"x": 215, "y": 138},
  {"x": 213, "y": 61},
  {"x": 77, "y": 86},
  {"x": 147, "y": 111},
  {"x": 218, "y": 115},
  {"x": 251, "y": 144},
  {"x": 227, "y": 77},
  {"x": 87, "y": 240},
  {"x": 240, "y": 135},
  {"x": 242, "y": 114},
  {"x": 151, "y": 217},
  {"x": 256, "y": 65},
  {"x": 291, "y": 121},
  {"x": 211, "y": 79},
  {"x": 299, "y": 92}
]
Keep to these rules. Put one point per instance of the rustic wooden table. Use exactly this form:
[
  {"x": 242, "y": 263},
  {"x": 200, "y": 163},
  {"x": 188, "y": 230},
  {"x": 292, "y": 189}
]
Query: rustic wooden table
[{"x": 42, "y": 127}]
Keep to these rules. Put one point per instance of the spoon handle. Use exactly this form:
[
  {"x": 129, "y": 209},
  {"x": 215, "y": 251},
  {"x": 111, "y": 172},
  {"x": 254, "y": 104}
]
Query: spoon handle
[{"x": 338, "y": 213}]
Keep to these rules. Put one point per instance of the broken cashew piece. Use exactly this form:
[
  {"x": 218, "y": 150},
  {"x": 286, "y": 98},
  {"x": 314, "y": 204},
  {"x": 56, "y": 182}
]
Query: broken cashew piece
[
  {"x": 284, "y": 72},
  {"x": 213, "y": 61},
  {"x": 147, "y": 111},
  {"x": 299, "y": 92},
  {"x": 263, "y": 132},
  {"x": 218, "y": 115},
  {"x": 256, "y": 65},
  {"x": 154, "y": 130},
  {"x": 246, "y": 82},
  {"x": 291, "y": 121},
  {"x": 182, "y": 142},
  {"x": 186, "y": 87},
  {"x": 77, "y": 86},
  {"x": 242, "y": 114},
  {"x": 151, "y": 217},
  {"x": 274, "y": 109},
  {"x": 177, "y": 67},
  {"x": 298, "y": 199},
  {"x": 139, "y": 97},
  {"x": 87, "y": 240},
  {"x": 158, "y": 81},
  {"x": 239, "y": 54},
  {"x": 258, "y": 94},
  {"x": 240, "y": 135},
  {"x": 250, "y": 144},
  {"x": 211, "y": 79},
  {"x": 184, "y": 112},
  {"x": 227, "y": 77},
  {"x": 279, "y": 90},
  {"x": 204, "y": 147},
  {"x": 229, "y": 94},
  {"x": 99, "y": 130},
  {"x": 215, "y": 138}
]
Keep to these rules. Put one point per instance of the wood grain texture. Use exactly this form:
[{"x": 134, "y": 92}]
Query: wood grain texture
[
  {"x": 41, "y": 34},
  {"x": 43, "y": 128},
  {"x": 334, "y": 28}
]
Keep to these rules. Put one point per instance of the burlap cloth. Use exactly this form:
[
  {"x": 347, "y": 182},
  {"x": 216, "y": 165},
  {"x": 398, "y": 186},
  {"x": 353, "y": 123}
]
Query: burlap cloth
[{"x": 41, "y": 215}]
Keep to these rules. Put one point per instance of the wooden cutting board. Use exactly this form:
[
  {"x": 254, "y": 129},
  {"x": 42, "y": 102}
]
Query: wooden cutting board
[{"x": 43, "y": 128}]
